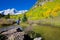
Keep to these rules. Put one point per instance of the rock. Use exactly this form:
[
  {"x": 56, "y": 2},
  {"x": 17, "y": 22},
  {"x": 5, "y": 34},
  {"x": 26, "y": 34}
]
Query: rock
[
  {"x": 39, "y": 38},
  {"x": 16, "y": 36}
]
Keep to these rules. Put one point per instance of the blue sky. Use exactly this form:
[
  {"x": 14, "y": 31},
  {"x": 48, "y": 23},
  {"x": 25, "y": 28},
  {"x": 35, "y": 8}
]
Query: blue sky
[{"x": 17, "y": 4}]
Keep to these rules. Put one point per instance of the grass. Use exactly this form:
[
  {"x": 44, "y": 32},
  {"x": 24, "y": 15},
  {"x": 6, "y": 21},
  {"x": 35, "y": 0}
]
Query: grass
[
  {"x": 46, "y": 31},
  {"x": 52, "y": 21},
  {"x": 16, "y": 16},
  {"x": 24, "y": 25}
]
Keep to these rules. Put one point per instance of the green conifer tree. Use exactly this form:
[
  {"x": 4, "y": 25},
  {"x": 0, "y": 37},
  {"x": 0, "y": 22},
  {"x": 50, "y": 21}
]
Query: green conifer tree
[{"x": 24, "y": 19}]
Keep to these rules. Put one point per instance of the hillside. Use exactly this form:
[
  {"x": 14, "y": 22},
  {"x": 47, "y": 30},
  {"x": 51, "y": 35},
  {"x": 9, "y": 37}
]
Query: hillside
[{"x": 44, "y": 9}]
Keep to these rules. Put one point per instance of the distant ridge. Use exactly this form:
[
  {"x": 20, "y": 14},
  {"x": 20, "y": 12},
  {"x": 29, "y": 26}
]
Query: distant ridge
[{"x": 12, "y": 11}]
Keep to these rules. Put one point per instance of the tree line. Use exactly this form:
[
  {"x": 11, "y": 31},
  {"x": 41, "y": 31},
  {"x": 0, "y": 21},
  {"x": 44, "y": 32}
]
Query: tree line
[{"x": 5, "y": 16}]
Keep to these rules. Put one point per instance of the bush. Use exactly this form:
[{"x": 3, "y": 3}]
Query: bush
[{"x": 3, "y": 37}]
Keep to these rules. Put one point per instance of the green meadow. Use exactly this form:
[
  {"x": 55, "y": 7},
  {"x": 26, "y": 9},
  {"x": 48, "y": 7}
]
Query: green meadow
[{"x": 47, "y": 29}]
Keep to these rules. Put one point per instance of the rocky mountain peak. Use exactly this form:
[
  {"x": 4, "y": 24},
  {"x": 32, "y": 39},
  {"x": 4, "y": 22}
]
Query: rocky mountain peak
[{"x": 41, "y": 2}]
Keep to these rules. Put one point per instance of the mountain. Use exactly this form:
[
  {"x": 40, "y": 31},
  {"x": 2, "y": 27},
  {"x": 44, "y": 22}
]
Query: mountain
[
  {"x": 12, "y": 12},
  {"x": 44, "y": 9}
]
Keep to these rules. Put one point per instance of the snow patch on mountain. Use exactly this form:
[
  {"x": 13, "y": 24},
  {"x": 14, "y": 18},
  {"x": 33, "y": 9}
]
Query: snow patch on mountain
[{"x": 12, "y": 12}]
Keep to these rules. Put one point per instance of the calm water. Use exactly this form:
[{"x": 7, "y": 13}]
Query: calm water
[{"x": 9, "y": 28}]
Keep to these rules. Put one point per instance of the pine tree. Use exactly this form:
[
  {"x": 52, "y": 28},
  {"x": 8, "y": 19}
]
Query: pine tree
[
  {"x": 7, "y": 16},
  {"x": 24, "y": 19}
]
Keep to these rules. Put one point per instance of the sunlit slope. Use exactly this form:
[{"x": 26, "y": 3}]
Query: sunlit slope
[
  {"x": 16, "y": 16},
  {"x": 47, "y": 10}
]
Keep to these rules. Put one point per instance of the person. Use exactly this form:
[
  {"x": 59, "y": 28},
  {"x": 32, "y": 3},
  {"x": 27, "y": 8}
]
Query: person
[{"x": 18, "y": 21}]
